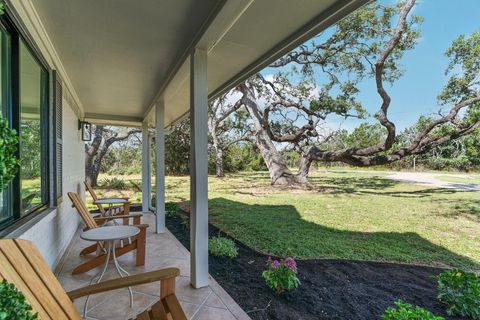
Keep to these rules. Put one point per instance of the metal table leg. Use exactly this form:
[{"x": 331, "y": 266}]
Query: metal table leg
[
  {"x": 118, "y": 268},
  {"x": 110, "y": 245},
  {"x": 119, "y": 271}
]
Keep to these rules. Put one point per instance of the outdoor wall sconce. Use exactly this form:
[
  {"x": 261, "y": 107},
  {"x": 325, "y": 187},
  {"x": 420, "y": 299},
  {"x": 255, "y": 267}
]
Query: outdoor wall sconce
[{"x": 86, "y": 130}]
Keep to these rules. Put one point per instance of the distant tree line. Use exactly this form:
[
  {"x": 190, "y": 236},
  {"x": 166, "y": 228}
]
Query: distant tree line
[{"x": 125, "y": 158}]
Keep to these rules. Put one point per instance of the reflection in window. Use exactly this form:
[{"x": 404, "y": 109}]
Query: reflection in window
[
  {"x": 5, "y": 209},
  {"x": 31, "y": 99}
]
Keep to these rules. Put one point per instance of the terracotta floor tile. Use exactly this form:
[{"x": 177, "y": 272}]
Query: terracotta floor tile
[
  {"x": 209, "y": 313},
  {"x": 163, "y": 250}
]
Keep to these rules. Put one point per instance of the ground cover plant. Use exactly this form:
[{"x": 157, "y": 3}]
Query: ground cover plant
[
  {"x": 405, "y": 311},
  {"x": 281, "y": 274},
  {"x": 172, "y": 209},
  {"x": 113, "y": 183},
  {"x": 222, "y": 247},
  {"x": 460, "y": 291},
  {"x": 13, "y": 305}
]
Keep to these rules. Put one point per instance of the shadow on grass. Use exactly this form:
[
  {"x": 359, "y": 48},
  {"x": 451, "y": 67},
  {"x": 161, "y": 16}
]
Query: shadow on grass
[
  {"x": 351, "y": 184},
  {"x": 371, "y": 185},
  {"x": 464, "y": 208},
  {"x": 280, "y": 230}
]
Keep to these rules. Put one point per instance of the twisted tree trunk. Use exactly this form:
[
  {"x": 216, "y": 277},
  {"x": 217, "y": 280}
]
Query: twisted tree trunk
[
  {"x": 103, "y": 138},
  {"x": 219, "y": 169},
  {"x": 280, "y": 174}
]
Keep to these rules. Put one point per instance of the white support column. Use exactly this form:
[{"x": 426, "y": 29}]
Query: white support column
[
  {"x": 146, "y": 186},
  {"x": 160, "y": 165},
  {"x": 199, "y": 169}
]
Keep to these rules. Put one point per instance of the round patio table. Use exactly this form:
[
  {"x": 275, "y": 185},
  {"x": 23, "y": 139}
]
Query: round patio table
[
  {"x": 109, "y": 235},
  {"x": 110, "y": 202}
]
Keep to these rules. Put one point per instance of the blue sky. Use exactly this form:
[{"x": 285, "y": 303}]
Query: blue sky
[{"x": 415, "y": 93}]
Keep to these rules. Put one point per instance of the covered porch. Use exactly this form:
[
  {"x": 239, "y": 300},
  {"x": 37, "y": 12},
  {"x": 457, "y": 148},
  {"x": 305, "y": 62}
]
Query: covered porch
[{"x": 150, "y": 64}]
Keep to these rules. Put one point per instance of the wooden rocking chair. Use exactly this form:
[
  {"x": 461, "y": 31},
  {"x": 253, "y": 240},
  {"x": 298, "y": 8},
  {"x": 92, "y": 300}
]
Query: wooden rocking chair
[
  {"x": 22, "y": 265},
  {"x": 135, "y": 243},
  {"x": 115, "y": 210}
]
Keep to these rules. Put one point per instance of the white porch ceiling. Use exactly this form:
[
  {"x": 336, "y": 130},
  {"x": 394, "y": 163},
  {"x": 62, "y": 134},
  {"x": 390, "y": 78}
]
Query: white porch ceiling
[{"x": 120, "y": 55}]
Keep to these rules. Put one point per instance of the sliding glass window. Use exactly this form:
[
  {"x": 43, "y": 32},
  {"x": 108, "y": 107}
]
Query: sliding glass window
[
  {"x": 32, "y": 103},
  {"x": 24, "y": 91},
  {"x": 5, "y": 50}
]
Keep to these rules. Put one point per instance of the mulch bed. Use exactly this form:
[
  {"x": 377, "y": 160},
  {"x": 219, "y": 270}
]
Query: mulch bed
[{"x": 330, "y": 289}]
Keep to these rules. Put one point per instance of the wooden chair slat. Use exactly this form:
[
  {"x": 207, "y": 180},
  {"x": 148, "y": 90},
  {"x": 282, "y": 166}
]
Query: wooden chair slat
[
  {"x": 9, "y": 273},
  {"x": 174, "y": 307},
  {"x": 91, "y": 190},
  {"x": 82, "y": 210},
  {"x": 143, "y": 316},
  {"x": 31, "y": 253},
  {"x": 158, "y": 312},
  {"x": 167, "y": 287},
  {"x": 30, "y": 275}
]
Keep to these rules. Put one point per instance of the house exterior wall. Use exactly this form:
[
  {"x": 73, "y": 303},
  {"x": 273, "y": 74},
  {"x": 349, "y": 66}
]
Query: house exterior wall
[
  {"x": 53, "y": 229},
  {"x": 53, "y": 233}
]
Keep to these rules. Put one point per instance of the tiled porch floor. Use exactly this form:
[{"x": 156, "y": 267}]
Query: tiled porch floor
[{"x": 163, "y": 250}]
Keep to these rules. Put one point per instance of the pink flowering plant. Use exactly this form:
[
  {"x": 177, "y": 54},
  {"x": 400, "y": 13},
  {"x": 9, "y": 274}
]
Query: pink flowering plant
[{"x": 281, "y": 275}]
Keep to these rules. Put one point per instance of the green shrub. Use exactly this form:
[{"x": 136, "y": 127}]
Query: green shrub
[
  {"x": 460, "y": 291},
  {"x": 13, "y": 305},
  {"x": 113, "y": 183},
  {"x": 172, "y": 209},
  {"x": 136, "y": 186},
  {"x": 8, "y": 148},
  {"x": 222, "y": 247},
  {"x": 405, "y": 311},
  {"x": 281, "y": 275},
  {"x": 185, "y": 220}
]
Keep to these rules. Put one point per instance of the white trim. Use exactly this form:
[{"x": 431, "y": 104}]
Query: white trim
[
  {"x": 25, "y": 12},
  {"x": 113, "y": 120}
]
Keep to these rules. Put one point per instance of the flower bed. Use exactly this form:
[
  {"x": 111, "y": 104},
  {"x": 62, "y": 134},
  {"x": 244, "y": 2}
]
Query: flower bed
[{"x": 330, "y": 289}]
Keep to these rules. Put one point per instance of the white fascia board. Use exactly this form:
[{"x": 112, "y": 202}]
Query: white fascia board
[
  {"x": 329, "y": 17},
  {"x": 113, "y": 120}
]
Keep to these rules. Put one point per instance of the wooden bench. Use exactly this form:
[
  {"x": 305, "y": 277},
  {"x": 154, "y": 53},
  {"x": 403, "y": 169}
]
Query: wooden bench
[{"x": 22, "y": 265}]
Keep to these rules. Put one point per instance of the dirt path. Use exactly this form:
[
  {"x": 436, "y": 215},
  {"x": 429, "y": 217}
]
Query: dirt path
[{"x": 430, "y": 179}]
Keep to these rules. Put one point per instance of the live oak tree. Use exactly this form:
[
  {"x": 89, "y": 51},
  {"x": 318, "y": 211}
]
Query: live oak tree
[
  {"x": 103, "y": 138},
  {"x": 226, "y": 126},
  {"x": 291, "y": 106}
]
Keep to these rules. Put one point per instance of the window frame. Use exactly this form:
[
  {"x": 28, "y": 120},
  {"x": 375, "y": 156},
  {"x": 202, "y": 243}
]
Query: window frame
[{"x": 13, "y": 108}]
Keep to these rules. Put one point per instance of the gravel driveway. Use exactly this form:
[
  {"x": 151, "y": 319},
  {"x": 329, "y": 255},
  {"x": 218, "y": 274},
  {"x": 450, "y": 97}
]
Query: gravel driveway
[{"x": 430, "y": 179}]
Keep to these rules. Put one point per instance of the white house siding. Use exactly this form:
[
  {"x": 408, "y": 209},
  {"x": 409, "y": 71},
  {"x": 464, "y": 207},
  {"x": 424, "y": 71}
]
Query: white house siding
[
  {"x": 53, "y": 233},
  {"x": 52, "y": 230}
]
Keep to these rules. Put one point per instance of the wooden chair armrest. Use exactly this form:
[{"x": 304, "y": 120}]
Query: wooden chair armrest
[
  {"x": 131, "y": 215},
  {"x": 141, "y": 226},
  {"x": 108, "y": 198},
  {"x": 148, "y": 277}
]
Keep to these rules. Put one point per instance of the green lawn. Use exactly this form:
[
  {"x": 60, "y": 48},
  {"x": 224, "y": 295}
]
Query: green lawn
[{"x": 350, "y": 215}]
